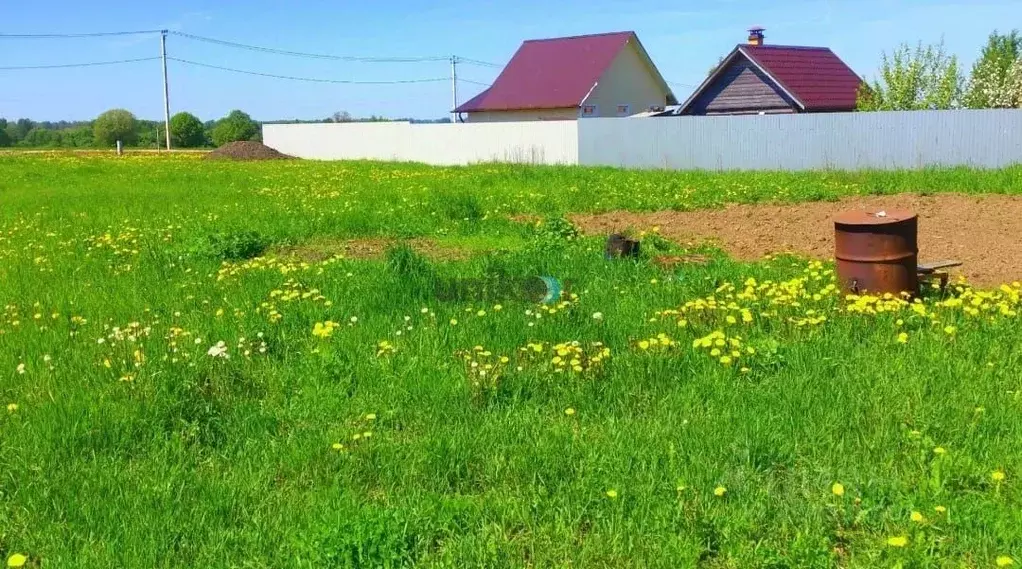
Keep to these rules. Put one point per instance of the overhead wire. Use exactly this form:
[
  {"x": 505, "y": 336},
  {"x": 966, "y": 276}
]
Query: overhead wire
[
  {"x": 67, "y": 65},
  {"x": 310, "y": 55},
  {"x": 308, "y": 79},
  {"x": 81, "y": 35}
]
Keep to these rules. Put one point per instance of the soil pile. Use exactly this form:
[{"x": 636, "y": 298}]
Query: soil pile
[{"x": 246, "y": 150}]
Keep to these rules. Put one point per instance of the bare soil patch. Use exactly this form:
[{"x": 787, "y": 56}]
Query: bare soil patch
[
  {"x": 981, "y": 231},
  {"x": 246, "y": 150}
]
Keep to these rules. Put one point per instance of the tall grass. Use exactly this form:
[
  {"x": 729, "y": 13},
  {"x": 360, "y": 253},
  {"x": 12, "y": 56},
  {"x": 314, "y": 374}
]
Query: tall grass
[{"x": 342, "y": 423}]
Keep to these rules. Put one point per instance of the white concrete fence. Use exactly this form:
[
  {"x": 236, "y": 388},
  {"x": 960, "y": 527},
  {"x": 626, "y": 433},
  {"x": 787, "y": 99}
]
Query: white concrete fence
[{"x": 847, "y": 141}]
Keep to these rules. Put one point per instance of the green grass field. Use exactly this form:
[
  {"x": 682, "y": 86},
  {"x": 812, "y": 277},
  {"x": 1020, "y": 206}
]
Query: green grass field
[{"x": 178, "y": 391}]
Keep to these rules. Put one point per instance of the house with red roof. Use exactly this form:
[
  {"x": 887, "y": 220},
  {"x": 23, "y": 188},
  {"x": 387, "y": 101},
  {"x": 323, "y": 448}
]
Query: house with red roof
[
  {"x": 601, "y": 75},
  {"x": 756, "y": 78}
]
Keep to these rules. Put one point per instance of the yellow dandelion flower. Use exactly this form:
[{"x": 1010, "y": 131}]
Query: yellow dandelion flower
[
  {"x": 725, "y": 360},
  {"x": 719, "y": 491},
  {"x": 903, "y": 338},
  {"x": 950, "y": 330},
  {"x": 1004, "y": 561},
  {"x": 643, "y": 345},
  {"x": 940, "y": 451},
  {"x": 481, "y": 313},
  {"x": 12, "y": 407},
  {"x": 838, "y": 489},
  {"x": 940, "y": 509},
  {"x": 569, "y": 411},
  {"x": 997, "y": 476},
  {"x": 454, "y": 322},
  {"x": 917, "y": 517},
  {"x": 337, "y": 446},
  {"x": 612, "y": 493},
  {"x": 371, "y": 417},
  {"x": 17, "y": 560},
  {"x": 897, "y": 541}
]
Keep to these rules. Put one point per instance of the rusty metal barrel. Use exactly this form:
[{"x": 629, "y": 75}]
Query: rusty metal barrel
[{"x": 877, "y": 251}]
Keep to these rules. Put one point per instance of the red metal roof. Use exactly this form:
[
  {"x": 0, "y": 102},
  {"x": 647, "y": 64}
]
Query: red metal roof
[
  {"x": 550, "y": 74},
  {"x": 814, "y": 76}
]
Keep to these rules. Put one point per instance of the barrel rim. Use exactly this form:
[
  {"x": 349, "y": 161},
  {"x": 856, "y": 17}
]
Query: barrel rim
[{"x": 868, "y": 217}]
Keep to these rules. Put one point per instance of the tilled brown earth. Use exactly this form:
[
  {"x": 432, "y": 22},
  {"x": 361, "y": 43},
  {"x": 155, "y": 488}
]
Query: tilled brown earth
[{"x": 981, "y": 231}]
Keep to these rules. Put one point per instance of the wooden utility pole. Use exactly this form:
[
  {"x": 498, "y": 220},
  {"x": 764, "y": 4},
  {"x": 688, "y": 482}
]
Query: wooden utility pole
[
  {"x": 166, "y": 86},
  {"x": 454, "y": 88}
]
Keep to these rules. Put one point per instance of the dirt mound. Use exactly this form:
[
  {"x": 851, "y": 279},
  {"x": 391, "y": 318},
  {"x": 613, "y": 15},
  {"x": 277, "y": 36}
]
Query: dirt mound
[
  {"x": 980, "y": 231},
  {"x": 246, "y": 150}
]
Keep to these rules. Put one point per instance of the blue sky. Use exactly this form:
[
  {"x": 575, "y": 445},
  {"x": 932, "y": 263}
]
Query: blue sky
[{"x": 684, "y": 39}]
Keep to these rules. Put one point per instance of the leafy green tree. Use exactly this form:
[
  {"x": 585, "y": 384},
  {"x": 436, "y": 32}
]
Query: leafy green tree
[
  {"x": 78, "y": 137},
  {"x": 995, "y": 77},
  {"x": 114, "y": 125},
  {"x": 40, "y": 137},
  {"x": 187, "y": 131},
  {"x": 235, "y": 126},
  {"x": 12, "y": 133},
  {"x": 21, "y": 129},
  {"x": 923, "y": 78},
  {"x": 5, "y": 139}
]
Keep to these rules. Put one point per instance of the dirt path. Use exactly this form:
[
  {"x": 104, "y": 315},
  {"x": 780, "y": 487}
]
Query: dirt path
[{"x": 981, "y": 231}]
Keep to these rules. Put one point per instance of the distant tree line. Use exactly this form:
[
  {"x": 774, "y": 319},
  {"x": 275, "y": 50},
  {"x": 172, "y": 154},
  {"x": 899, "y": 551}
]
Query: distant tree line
[
  {"x": 187, "y": 131},
  {"x": 926, "y": 77}
]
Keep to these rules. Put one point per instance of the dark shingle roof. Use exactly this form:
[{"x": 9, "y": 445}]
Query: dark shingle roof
[
  {"x": 814, "y": 76},
  {"x": 550, "y": 73}
]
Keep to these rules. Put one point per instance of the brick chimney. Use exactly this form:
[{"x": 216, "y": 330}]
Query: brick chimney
[{"x": 756, "y": 36}]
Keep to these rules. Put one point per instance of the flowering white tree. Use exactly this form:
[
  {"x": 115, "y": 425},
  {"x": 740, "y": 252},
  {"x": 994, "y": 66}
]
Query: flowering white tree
[{"x": 997, "y": 76}]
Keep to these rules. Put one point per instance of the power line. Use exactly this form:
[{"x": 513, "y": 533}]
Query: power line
[
  {"x": 85, "y": 35},
  {"x": 477, "y": 62},
  {"x": 67, "y": 65},
  {"x": 474, "y": 82},
  {"x": 309, "y": 55},
  {"x": 309, "y": 79}
]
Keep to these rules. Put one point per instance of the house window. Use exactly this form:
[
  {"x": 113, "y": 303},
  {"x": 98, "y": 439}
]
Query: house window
[
  {"x": 588, "y": 110},
  {"x": 624, "y": 110}
]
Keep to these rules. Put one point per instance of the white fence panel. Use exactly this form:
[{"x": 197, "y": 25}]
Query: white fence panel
[
  {"x": 547, "y": 142},
  {"x": 845, "y": 141}
]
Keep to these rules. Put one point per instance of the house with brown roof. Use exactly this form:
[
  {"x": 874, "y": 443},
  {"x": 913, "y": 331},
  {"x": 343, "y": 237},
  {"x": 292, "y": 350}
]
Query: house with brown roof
[
  {"x": 601, "y": 75},
  {"x": 756, "y": 78}
]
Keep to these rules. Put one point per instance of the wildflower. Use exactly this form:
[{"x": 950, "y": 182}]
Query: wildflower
[
  {"x": 16, "y": 560},
  {"x": 12, "y": 407},
  {"x": 997, "y": 476},
  {"x": 612, "y": 494},
  {"x": 569, "y": 411},
  {"x": 940, "y": 509},
  {"x": 903, "y": 338},
  {"x": 597, "y": 316},
  {"x": 838, "y": 489},
  {"x": 497, "y": 308},
  {"x": 324, "y": 329},
  {"x": 481, "y": 313},
  {"x": 424, "y": 310},
  {"x": 371, "y": 417},
  {"x": 950, "y": 330},
  {"x": 337, "y": 446},
  {"x": 644, "y": 345},
  {"x": 940, "y": 451},
  {"x": 719, "y": 491},
  {"x": 897, "y": 541},
  {"x": 454, "y": 322},
  {"x": 219, "y": 350},
  {"x": 20, "y": 369},
  {"x": 1004, "y": 561},
  {"x": 725, "y": 360},
  {"x": 917, "y": 517}
]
